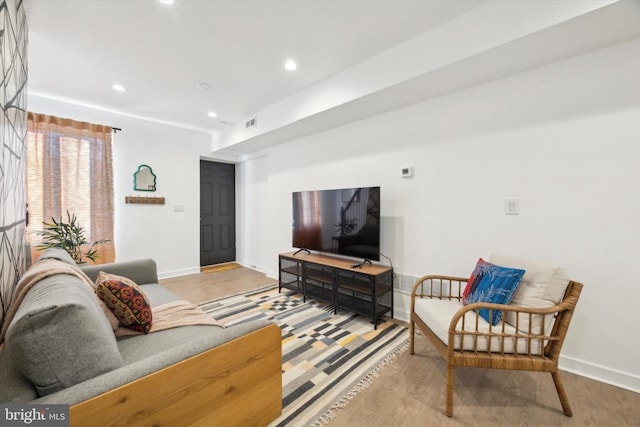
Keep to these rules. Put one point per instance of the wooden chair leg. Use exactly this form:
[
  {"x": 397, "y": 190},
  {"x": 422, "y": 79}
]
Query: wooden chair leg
[
  {"x": 412, "y": 329},
  {"x": 564, "y": 401},
  {"x": 449, "y": 392}
]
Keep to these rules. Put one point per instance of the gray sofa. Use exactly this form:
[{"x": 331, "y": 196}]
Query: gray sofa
[{"x": 59, "y": 348}]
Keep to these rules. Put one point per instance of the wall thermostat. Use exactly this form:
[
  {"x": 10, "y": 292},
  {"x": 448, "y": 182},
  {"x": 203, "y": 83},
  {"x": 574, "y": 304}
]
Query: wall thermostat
[{"x": 406, "y": 172}]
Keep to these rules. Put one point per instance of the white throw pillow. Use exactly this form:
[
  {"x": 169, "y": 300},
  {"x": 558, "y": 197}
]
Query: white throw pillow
[{"x": 543, "y": 285}]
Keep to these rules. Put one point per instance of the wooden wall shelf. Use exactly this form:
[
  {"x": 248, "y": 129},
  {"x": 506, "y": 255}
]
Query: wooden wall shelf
[{"x": 144, "y": 200}]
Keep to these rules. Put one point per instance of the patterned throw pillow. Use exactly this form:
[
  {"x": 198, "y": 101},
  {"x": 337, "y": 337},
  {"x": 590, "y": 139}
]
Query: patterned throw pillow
[
  {"x": 472, "y": 279},
  {"x": 494, "y": 284},
  {"x": 126, "y": 300}
]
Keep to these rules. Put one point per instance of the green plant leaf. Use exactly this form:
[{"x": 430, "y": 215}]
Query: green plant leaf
[{"x": 69, "y": 236}]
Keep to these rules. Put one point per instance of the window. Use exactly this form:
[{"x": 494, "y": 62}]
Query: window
[{"x": 69, "y": 168}]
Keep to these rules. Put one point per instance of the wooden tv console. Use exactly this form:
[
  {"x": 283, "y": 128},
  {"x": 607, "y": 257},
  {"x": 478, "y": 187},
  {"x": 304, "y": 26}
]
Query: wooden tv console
[{"x": 366, "y": 290}]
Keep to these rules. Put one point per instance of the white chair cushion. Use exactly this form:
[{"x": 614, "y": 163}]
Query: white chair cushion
[
  {"x": 437, "y": 314},
  {"x": 543, "y": 285}
]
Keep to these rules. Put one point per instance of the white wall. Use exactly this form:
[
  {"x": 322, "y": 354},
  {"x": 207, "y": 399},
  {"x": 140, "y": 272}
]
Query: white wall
[
  {"x": 254, "y": 215},
  {"x": 563, "y": 139},
  {"x": 150, "y": 231}
]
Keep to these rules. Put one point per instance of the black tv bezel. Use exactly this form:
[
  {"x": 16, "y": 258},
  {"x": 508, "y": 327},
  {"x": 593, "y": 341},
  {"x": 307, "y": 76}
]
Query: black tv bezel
[{"x": 366, "y": 257}]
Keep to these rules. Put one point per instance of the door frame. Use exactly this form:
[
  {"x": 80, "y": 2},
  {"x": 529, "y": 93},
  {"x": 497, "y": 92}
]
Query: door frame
[{"x": 235, "y": 216}]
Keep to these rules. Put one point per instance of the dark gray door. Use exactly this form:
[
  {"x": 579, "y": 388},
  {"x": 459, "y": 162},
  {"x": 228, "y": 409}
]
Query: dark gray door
[{"x": 217, "y": 212}]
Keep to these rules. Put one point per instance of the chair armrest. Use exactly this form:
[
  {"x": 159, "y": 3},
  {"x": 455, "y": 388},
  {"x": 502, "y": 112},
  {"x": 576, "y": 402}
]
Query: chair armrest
[{"x": 460, "y": 327}]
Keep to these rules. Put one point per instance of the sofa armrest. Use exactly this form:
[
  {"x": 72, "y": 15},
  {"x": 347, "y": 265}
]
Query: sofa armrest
[
  {"x": 148, "y": 366},
  {"x": 141, "y": 271}
]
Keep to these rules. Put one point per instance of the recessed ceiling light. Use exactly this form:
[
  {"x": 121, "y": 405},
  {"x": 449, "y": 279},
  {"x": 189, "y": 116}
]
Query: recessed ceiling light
[
  {"x": 290, "y": 65},
  {"x": 166, "y": 1},
  {"x": 118, "y": 88},
  {"x": 212, "y": 114}
]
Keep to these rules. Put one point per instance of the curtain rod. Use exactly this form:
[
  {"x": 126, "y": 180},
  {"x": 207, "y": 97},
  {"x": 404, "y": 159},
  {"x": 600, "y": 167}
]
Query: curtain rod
[{"x": 115, "y": 129}]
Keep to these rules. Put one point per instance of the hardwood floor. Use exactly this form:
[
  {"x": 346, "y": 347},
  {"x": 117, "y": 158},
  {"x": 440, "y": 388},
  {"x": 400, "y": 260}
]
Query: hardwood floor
[
  {"x": 410, "y": 391},
  {"x": 201, "y": 287}
]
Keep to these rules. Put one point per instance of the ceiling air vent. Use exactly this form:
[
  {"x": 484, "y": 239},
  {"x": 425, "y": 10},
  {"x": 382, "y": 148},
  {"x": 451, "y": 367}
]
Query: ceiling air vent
[{"x": 251, "y": 123}]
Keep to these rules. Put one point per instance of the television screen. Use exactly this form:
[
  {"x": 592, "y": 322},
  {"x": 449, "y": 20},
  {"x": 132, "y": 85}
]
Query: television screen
[{"x": 344, "y": 221}]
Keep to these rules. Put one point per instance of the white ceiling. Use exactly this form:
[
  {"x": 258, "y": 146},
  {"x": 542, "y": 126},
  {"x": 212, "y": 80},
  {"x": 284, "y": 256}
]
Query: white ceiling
[{"x": 79, "y": 48}]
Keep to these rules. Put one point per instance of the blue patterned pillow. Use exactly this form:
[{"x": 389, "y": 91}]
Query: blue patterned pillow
[{"x": 494, "y": 284}]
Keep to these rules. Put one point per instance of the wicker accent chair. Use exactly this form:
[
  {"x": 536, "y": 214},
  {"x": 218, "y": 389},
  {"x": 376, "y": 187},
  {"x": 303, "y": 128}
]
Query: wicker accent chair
[{"x": 529, "y": 338}]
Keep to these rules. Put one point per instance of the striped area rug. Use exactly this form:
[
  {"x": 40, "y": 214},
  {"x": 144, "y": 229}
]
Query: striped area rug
[{"x": 326, "y": 358}]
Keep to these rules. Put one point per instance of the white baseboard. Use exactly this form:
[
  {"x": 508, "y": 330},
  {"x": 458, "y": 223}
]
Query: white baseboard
[
  {"x": 195, "y": 270},
  {"x": 600, "y": 373},
  {"x": 402, "y": 305},
  {"x": 176, "y": 273},
  {"x": 259, "y": 268}
]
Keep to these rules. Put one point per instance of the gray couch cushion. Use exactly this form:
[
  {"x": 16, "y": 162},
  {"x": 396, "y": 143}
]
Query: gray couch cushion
[
  {"x": 14, "y": 387},
  {"x": 147, "y": 347},
  {"x": 60, "y": 336},
  {"x": 141, "y": 271},
  {"x": 162, "y": 350}
]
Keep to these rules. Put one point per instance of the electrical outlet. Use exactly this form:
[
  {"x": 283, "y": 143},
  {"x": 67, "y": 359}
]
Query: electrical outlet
[{"x": 511, "y": 206}]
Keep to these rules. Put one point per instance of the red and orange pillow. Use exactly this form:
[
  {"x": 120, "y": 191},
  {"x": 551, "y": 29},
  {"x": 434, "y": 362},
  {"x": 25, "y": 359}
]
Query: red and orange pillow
[{"x": 126, "y": 300}]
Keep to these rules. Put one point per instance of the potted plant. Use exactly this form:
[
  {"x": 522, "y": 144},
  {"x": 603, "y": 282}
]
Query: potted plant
[{"x": 69, "y": 236}]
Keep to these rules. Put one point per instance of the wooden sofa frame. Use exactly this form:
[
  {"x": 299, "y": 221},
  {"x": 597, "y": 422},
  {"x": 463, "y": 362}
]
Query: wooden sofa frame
[
  {"x": 236, "y": 383},
  {"x": 451, "y": 288}
]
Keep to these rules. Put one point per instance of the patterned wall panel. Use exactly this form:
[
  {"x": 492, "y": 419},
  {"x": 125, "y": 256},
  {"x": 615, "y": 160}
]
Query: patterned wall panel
[{"x": 13, "y": 98}]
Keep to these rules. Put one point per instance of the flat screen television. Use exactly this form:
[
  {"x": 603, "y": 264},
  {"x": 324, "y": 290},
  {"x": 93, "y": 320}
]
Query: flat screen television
[{"x": 344, "y": 221}]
